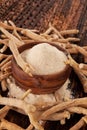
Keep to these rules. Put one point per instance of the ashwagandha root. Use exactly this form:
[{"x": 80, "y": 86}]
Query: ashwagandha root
[
  {"x": 65, "y": 105},
  {"x": 4, "y": 124},
  {"x": 79, "y": 124},
  {"x": 15, "y": 38}
]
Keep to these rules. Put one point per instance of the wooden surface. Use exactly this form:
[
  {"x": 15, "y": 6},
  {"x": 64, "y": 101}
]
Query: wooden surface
[{"x": 63, "y": 14}]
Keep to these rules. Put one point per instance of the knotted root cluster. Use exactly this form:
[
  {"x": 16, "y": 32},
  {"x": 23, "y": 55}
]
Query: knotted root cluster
[{"x": 13, "y": 37}]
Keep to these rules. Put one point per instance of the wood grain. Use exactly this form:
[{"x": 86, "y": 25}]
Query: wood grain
[{"x": 64, "y": 14}]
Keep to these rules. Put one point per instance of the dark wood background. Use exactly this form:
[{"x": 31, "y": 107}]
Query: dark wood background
[{"x": 63, "y": 14}]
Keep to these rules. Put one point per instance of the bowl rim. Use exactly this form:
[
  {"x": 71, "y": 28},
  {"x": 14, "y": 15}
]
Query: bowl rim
[
  {"x": 37, "y": 80},
  {"x": 30, "y": 45}
]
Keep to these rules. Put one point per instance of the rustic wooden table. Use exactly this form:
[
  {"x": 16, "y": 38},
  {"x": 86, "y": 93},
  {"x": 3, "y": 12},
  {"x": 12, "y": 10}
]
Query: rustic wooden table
[{"x": 63, "y": 14}]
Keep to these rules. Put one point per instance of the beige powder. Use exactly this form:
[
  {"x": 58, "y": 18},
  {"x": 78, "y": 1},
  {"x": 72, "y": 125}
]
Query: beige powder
[
  {"x": 45, "y": 59},
  {"x": 40, "y": 101},
  {"x": 64, "y": 94}
]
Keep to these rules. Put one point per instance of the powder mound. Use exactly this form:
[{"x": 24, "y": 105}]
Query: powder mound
[{"x": 45, "y": 59}]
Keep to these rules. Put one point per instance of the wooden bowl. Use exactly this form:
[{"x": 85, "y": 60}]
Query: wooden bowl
[{"x": 39, "y": 84}]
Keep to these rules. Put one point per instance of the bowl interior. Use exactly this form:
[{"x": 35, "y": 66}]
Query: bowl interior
[{"x": 30, "y": 45}]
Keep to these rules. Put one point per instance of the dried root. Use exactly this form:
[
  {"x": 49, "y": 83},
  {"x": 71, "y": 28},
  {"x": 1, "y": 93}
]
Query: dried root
[
  {"x": 3, "y": 56},
  {"x": 30, "y": 127},
  {"x": 4, "y": 124},
  {"x": 62, "y": 110},
  {"x": 3, "y": 49},
  {"x": 73, "y": 31},
  {"x": 25, "y": 67},
  {"x": 57, "y": 116},
  {"x": 79, "y": 72},
  {"x": 8, "y": 58},
  {"x": 4, "y": 85},
  {"x": 80, "y": 124},
  {"x": 65, "y": 105},
  {"x": 4, "y": 75}
]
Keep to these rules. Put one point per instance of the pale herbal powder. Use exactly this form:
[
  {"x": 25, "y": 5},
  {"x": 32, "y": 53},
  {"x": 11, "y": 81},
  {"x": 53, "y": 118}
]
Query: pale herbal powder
[
  {"x": 42, "y": 100},
  {"x": 45, "y": 59}
]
